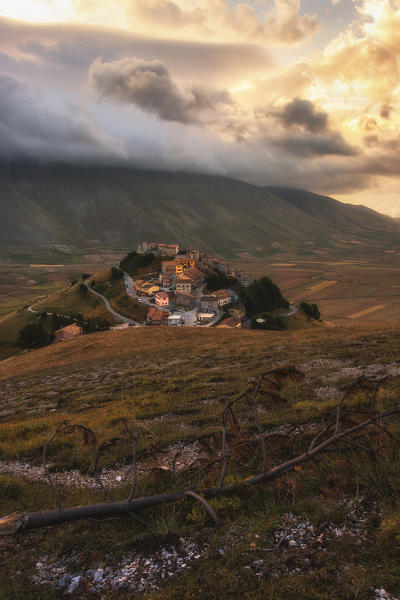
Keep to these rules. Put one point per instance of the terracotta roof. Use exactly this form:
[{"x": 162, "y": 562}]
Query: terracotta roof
[
  {"x": 230, "y": 322},
  {"x": 221, "y": 293},
  {"x": 157, "y": 315},
  {"x": 72, "y": 329}
]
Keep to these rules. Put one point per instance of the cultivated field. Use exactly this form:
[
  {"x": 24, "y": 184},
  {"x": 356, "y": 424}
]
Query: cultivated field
[{"x": 365, "y": 288}]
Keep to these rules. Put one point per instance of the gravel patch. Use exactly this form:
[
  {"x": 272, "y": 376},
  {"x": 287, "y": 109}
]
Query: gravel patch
[
  {"x": 180, "y": 456},
  {"x": 298, "y": 539},
  {"x": 378, "y": 370},
  {"x": 136, "y": 571}
]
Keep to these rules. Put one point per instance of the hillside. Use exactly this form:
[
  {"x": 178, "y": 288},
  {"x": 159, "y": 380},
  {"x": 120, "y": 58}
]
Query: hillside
[
  {"x": 60, "y": 204},
  {"x": 328, "y": 529}
]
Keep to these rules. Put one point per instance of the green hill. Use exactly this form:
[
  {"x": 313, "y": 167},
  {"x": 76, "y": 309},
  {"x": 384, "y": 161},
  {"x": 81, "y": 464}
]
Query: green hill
[{"x": 60, "y": 204}]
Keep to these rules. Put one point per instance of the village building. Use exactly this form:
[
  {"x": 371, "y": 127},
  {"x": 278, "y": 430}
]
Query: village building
[
  {"x": 223, "y": 297},
  {"x": 193, "y": 254},
  {"x": 146, "y": 247},
  {"x": 184, "y": 285},
  {"x": 183, "y": 263},
  {"x": 164, "y": 298},
  {"x": 189, "y": 281},
  {"x": 205, "y": 317},
  {"x": 157, "y": 317},
  {"x": 209, "y": 303},
  {"x": 207, "y": 261},
  {"x": 243, "y": 278},
  {"x": 161, "y": 299},
  {"x": 185, "y": 299},
  {"x": 165, "y": 281},
  {"x": 68, "y": 333},
  {"x": 167, "y": 249},
  {"x": 175, "y": 320},
  {"x": 160, "y": 249},
  {"x": 195, "y": 275},
  {"x": 168, "y": 267},
  {"x": 230, "y": 323}
]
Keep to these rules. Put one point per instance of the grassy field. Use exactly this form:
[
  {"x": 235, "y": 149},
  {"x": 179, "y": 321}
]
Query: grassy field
[
  {"x": 31, "y": 273},
  {"x": 175, "y": 383}
]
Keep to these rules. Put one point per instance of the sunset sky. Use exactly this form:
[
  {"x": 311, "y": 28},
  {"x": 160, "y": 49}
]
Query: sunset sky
[{"x": 286, "y": 92}]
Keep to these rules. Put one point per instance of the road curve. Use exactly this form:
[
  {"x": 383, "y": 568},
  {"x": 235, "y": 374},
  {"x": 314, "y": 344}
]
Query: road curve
[{"x": 110, "y": 308}]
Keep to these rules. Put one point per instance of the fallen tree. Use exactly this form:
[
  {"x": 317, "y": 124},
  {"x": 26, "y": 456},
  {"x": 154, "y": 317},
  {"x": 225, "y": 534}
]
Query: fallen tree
[{"x": 267, "y": 385}]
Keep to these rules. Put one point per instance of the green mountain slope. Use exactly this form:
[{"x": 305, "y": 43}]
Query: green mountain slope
[{"x": 44, "y": 205}]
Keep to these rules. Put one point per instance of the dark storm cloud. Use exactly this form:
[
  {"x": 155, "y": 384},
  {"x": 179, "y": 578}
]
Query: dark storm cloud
[
  {"x": 29, "y": 129},
  {"x": 304, "y": 114},
  {"x": 307, "y": 145},
  {"x": 148, "y": 85}
]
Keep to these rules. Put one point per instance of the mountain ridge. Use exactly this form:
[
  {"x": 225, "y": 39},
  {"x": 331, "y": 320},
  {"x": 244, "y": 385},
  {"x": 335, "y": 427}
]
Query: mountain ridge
[{"x": 44, "y": 205}]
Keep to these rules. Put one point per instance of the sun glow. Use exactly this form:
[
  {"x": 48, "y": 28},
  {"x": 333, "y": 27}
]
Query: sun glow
[{"x": 37, "y": 11}]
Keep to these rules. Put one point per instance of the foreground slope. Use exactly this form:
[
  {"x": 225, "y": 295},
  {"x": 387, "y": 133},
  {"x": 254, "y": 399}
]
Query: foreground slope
[
  {"x": 327, "y": 530},
  {"x": 46, "y": 205}
]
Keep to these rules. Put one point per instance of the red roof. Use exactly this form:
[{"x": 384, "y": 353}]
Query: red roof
[{"x": 157, "y": 315}]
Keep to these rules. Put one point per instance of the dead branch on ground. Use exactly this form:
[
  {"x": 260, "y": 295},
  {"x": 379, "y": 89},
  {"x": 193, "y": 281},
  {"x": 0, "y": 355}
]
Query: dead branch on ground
[{"x": 338, "y": 432}]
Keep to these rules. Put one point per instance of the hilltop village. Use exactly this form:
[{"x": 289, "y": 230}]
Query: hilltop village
[
  {"x": 192, "y": 289},
  {"x": 158, "y": 285}
]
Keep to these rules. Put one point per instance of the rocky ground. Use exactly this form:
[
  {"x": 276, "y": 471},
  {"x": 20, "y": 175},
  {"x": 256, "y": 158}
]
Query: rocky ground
[{"x": 294, "y": 543}]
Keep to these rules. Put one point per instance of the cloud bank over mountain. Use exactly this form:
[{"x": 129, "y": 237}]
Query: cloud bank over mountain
[{"x": 258, "y": 90}]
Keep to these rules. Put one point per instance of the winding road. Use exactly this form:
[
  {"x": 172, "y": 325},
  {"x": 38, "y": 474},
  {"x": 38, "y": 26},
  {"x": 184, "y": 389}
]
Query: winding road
[{"x": 110, "y": 308}]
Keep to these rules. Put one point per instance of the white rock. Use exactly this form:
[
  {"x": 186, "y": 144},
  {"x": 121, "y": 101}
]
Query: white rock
[
  {"x": 98, "y": 576},
  {"x": 75, "y": 581}
]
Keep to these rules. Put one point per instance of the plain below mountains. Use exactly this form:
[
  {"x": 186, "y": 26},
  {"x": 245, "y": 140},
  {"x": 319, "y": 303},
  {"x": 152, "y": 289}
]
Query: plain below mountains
[{"x": 46, "y": 205}]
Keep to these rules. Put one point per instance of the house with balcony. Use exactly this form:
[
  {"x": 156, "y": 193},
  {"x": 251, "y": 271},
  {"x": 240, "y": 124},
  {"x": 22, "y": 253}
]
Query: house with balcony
[{"x": 223, "y": 297}]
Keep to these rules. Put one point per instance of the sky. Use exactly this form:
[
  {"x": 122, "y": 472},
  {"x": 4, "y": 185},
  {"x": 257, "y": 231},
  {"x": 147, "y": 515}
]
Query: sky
[{"x": 300, "y": 93}]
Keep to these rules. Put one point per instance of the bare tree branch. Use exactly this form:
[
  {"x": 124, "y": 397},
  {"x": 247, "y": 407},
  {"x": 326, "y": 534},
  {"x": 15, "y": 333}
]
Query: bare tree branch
[
  {"x": 204, "y": 503},
  {"x": 324, "y": 441}
]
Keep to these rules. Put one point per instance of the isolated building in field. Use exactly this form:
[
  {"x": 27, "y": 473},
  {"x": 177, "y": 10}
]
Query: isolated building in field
[{"x": 68, "y": 333}]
